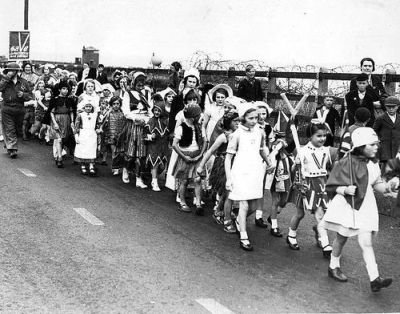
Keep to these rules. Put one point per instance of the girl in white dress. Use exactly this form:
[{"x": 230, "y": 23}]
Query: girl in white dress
[
  {"x": 353, "y": 209},
  {"x": 86, "y": 128},
  {"x": 244, "y": 177}
]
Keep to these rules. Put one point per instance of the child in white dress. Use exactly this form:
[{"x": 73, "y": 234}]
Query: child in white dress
[
  {"x": 353, "y": 209},
  {"x": 244, "y": 176}
]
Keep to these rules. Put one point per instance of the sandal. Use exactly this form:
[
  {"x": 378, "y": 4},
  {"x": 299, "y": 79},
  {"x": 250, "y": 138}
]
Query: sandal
[
  {"x": 218, "y": 219},
  {"x": 246, "y": 245},
  {"x": 293, "y": 246},
  {"x": 229, "y": 228},
  {"x": 199, "y": 210}
]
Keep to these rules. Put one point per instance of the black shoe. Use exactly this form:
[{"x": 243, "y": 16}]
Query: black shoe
[
  {"x": 84, "y": 170},
  {"x": 199, "y": 210},
  {"x": 326, "y": 251},
  {"x": 276, "y": 232},
  {"x": 13, "y": 154},
  {"x": 337, "y": 274},
  {"x": 184, "y": 208},
  {"x": 380, "y": 283},
  {"x": 245, "y": 246},
  {"x": 261, "y": 223},
  {"x": 60, "y": 164},
  {"x": 103, "y": 163},
  {"x": 269, "y": 220},
  {"x": 218, "y": 219},
  {"x": 92, "y": 172},
  {"x": 295, "y": 246}
]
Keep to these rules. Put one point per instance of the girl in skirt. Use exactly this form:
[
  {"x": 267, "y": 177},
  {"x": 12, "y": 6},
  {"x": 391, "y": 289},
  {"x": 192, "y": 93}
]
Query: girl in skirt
[
  {"x": 86, "y": 130},
  {"x": 353, "y": 210},
  {"x": 42, "y": 96},
  {"x": 60, "y": 116},
  {"x": 244, "y": 176},
  {"x": 156, "y": 134},
  {"x": 217, "y": 176},
  {"x": 112, "y": 127},
  {"x": 314, "y": 161},
  {"x": 189, "y": 143}
]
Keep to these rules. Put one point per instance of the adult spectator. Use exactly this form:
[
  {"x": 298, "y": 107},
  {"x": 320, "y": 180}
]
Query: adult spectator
[
  {"x": 114, "y": 78},
  {"x": 375, "y": 86},
  {"x": 174, "y": 79},
  {"x": 250, "y": 88},
  {"x": 101, "y": 76},
  {"x": 15, "y": 91},
  {"x": 360, "y": 98},
  {"x": 29, "y": 75}
]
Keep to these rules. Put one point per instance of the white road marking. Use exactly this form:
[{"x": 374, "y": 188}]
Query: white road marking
[
  {"x": 214, "y": 307},
  {"x": 89, "y": 217},
  {"x": 27, "y": 172}
]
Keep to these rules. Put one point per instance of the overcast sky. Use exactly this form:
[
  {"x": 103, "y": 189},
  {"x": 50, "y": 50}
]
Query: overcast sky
[{"x": 279, "y": 32}]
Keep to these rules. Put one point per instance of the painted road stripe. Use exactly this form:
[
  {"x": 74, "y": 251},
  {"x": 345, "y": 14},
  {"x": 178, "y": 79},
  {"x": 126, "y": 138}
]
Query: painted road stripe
[
  {"x": 27, "y": 172},
  {"x": 214, "y": 307},
  {"x": 89, "y": 217}
]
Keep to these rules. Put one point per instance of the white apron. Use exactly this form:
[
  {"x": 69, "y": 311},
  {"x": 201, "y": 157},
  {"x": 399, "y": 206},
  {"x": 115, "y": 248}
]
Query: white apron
[{"x": 87, "y": 147}]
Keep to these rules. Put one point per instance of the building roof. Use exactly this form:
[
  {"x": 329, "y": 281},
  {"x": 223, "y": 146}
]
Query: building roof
[{"x": 89, "y": 48}]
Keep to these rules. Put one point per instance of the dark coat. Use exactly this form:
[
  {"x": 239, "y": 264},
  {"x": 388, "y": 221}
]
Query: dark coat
[
  {"x": 389, "y": 135},
  {"x": 376, "y": 88},
  {"x": 250, "y": 91},
  {"x": 333, "y": 120},
  {"x": 102, "y": 78},
  {"x": 353, "y": 102},
  {"x": 176, "y": 106}
]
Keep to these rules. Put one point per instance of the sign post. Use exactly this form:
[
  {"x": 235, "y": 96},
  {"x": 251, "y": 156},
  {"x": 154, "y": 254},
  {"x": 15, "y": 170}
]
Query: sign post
[{"x": 19, "y": 45}]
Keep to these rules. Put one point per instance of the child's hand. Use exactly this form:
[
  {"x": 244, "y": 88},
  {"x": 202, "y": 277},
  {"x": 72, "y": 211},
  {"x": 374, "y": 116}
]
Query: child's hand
[
  {"x": 228, "y": 185},
  {"x": 297, "y": 160},
  {"x": 350, "y": 190},
  {"x": 393, "y": 184}
]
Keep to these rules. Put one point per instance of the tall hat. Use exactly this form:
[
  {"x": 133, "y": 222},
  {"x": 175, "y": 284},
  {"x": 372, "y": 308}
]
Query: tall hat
[
  {"x": 281, "y": 124},
  {"x": 192, "y": 72}
]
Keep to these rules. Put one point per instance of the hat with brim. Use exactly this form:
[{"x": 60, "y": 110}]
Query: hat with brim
[
  {"x": 244, "y": 108},
  {"x": 192, "y": 72},
  {"x": 108, "y": 86},
  {"x": 135, "y": 76},
  {"x": 363, "y": 136},
  {"x": 234, "y": 101},
  {"x": 261, "y": 104},
  {"x": 392, "y": 101},
  {"x": 166, "y": 91},
  {"x": 12, "y": 66},
  {"x": 225, "y": 87}
]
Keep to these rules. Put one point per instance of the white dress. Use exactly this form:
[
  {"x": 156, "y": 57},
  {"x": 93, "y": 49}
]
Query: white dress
[
  {"x": 342, "y": 218},
  {"x": 86, "y": 149},
  {"x": 215, "y": 113},
  {"x": 247, "y": 170}
]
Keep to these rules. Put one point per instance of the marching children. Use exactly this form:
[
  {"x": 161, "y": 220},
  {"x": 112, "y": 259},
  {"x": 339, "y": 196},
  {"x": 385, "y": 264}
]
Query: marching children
[
  {"x": 112, "y": 127},
  {"x": 244, "y": 176},
  {"x": 86, "y": 138},
  {"x": 189, "y": 143},
  {"x": 60, "y": 117},
  {"x": 156, "y": 134},
  {"x": 314, "y": 161},
  {"x": 387, "y": 127},
  {"x": 280, "y": 181},
  {"x": 217, "y": 176},
  {"x": 353, "y": 209}
]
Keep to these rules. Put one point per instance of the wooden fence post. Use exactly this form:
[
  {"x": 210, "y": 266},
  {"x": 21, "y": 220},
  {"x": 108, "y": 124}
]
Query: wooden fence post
[
  {"x": 271, "y": 89},
  {"x": 231, "y": 81},
  {"x": 389, "y": 85},
  {"x": 322, "y": 84}
]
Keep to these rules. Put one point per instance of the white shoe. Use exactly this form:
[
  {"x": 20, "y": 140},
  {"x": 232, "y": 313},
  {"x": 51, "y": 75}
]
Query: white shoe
[
  {"x": 178, "y": 199},
  {"x": 195, "y": 201},
  {"x": 125, "y": 176},
  {"x": 1, "y": 138},
  {"x": 140, "y": 184},
  {"x": 155, "y": 187},
  {"x": 115, "y": 172}
]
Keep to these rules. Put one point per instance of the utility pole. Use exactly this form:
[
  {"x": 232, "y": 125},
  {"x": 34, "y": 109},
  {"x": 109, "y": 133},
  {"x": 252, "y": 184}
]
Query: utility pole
[{"x": 26, "y": 16}]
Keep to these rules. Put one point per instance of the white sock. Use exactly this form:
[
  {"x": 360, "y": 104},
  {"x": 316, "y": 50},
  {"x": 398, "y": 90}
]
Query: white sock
[
  {"x": 292, "y": 233},
  {"x": 154, "y": 180},
  {"x": 274, "y": 223},
  {"x": 259, "y": 214},
  {"x": 372, "y": 269},
  {"x": 335, "y": 262},
  {"x": 323, "y": 236},
  {"x": 243, "y": 235}
]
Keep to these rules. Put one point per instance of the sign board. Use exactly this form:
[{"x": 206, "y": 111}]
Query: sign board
[{"x": 19, "y": 45}]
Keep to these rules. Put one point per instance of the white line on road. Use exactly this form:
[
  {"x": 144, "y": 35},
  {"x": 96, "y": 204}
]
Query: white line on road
[
  {"x": 214, "y": 307},
  {"x": 89, "y": 217},
  {"x": 27, "y": 172}
]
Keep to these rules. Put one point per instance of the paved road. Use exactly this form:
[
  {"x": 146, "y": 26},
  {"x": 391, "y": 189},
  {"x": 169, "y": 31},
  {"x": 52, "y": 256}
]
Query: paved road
[{"x": 150, "y": 258}]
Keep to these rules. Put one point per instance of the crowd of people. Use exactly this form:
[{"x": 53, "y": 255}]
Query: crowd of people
[{"x": 204, "y": 138}]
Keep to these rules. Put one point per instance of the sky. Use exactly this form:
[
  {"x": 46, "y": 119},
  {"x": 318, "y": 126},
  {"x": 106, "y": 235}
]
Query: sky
[{"x": 327, "y": 33}]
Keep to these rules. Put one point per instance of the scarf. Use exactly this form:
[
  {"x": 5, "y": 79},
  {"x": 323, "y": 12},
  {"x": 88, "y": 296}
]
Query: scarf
[{"x": 340, "y": 176}]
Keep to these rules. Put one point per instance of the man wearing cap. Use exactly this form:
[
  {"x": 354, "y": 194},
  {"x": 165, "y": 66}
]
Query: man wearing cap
[
  {"x": 359, "y": 98},
  {"x": 101, "y": 75},
  {"x": 387, "y": 127},
  {"x": 250, "y": 88},
  {"x": 15, "y": 91}
]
